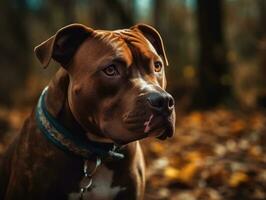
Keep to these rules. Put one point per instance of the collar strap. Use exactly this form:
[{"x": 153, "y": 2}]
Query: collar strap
[{"x": 68, "y": 142}]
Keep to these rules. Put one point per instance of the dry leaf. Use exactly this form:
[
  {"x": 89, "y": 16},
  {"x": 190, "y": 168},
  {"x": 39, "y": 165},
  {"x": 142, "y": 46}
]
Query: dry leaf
[
  {"x": 237, "y": 178},
  {"x": 171, "y": 173},
  {"x": 188, "y": 172}
]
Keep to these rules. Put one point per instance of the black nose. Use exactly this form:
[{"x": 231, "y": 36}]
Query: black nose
[{"x": 162, "y": 102}]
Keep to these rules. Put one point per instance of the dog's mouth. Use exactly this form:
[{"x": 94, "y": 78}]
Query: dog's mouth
[
  {"x": 151, "y": 125},
  {"x": 158, "y": 126}
]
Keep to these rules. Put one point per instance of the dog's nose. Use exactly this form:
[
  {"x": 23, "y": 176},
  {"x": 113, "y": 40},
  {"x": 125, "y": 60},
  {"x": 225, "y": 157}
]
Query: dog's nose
[{"x": 161, "y": 102}]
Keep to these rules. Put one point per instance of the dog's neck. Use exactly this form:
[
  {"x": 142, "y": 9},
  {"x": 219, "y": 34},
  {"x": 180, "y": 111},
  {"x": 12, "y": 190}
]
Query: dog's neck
[{"x": 67, "y": 119}]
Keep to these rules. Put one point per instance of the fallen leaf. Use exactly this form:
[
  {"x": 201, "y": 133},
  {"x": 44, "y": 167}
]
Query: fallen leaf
[
  {"x": 238, "y": 178},
  {"x": 171, "y": 173}
]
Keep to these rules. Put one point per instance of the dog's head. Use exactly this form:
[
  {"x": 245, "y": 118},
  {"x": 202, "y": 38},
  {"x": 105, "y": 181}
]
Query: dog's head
[{"x": 117, "y": 80}]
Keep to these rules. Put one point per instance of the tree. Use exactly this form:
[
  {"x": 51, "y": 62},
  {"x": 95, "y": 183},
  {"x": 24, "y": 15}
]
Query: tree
[
  {"x": 14, "y": 44},
  {"x": 213, "y": 66},
  {"x": 261, "y": 36}
]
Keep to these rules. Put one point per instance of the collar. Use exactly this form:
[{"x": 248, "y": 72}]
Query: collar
[{"x": 67, "y": 141}]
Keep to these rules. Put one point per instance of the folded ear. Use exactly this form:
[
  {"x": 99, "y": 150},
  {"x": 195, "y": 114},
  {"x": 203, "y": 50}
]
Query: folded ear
[
  {"x": 154, "y": 38},
  {"x": 63, "y": 45}
]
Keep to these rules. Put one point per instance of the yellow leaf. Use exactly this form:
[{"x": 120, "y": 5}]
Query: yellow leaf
[
  {"x": 188, "y": 172},
  {"x": 171, "y": 172},
  {"x": 194, "y": 156},
  {"x": 237, "y": 178}
]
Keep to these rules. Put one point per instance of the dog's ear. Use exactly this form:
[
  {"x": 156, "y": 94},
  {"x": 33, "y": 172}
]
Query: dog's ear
[
  {"x": 154, "y": 38},
  {"x": 63, "y": 45}
]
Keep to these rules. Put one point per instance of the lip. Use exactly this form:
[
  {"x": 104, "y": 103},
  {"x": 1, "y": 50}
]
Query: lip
[
  {"x": 155, "y": 126},
  {"x": 156, "y": 132}
]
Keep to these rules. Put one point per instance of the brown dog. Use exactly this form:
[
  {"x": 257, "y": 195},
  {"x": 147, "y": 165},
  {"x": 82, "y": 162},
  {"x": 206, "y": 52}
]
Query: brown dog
[{"x": 81, "y": 140}]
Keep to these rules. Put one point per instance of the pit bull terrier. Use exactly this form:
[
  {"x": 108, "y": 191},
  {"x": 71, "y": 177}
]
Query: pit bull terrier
[{"x": 81, "y": 140}]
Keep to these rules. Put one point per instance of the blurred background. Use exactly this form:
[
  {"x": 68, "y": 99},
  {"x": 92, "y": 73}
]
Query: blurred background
[{"x": 217, "y": 55}]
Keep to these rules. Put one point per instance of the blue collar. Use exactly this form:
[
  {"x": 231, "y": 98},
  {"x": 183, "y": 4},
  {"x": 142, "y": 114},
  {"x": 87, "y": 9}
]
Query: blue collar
[{"x": 68, "y": 142}]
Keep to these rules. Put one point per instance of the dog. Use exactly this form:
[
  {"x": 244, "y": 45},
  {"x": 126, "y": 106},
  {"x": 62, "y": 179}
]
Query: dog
[{"x": 82, "y": 139}]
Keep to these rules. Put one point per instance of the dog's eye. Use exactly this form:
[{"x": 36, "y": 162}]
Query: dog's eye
[
  {"x": 158, "y": 66},
  {"x": 111, "y": 70}
]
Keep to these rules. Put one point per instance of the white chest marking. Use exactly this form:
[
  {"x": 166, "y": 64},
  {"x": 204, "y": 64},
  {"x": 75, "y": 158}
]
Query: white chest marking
[{"x": 101, "y": 187}]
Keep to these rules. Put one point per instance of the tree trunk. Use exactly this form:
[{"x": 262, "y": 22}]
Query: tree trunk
[
  {"x": 14, "y": 48},
  {"x": 261, "y": 34},
  {"x": 213, "y": 67}
]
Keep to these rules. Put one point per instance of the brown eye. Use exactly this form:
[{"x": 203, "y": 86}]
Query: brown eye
[
  {"x": 111, "y": 70},
  {"x": 158, "y": 66}
]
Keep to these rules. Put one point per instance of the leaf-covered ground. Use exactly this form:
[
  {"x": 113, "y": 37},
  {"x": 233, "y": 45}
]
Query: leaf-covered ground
[{"x": 214, "y": 155}]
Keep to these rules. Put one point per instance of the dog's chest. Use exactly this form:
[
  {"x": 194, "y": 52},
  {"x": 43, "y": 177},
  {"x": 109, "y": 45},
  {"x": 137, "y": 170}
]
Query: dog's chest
[{"x": 102, "y": 188}]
